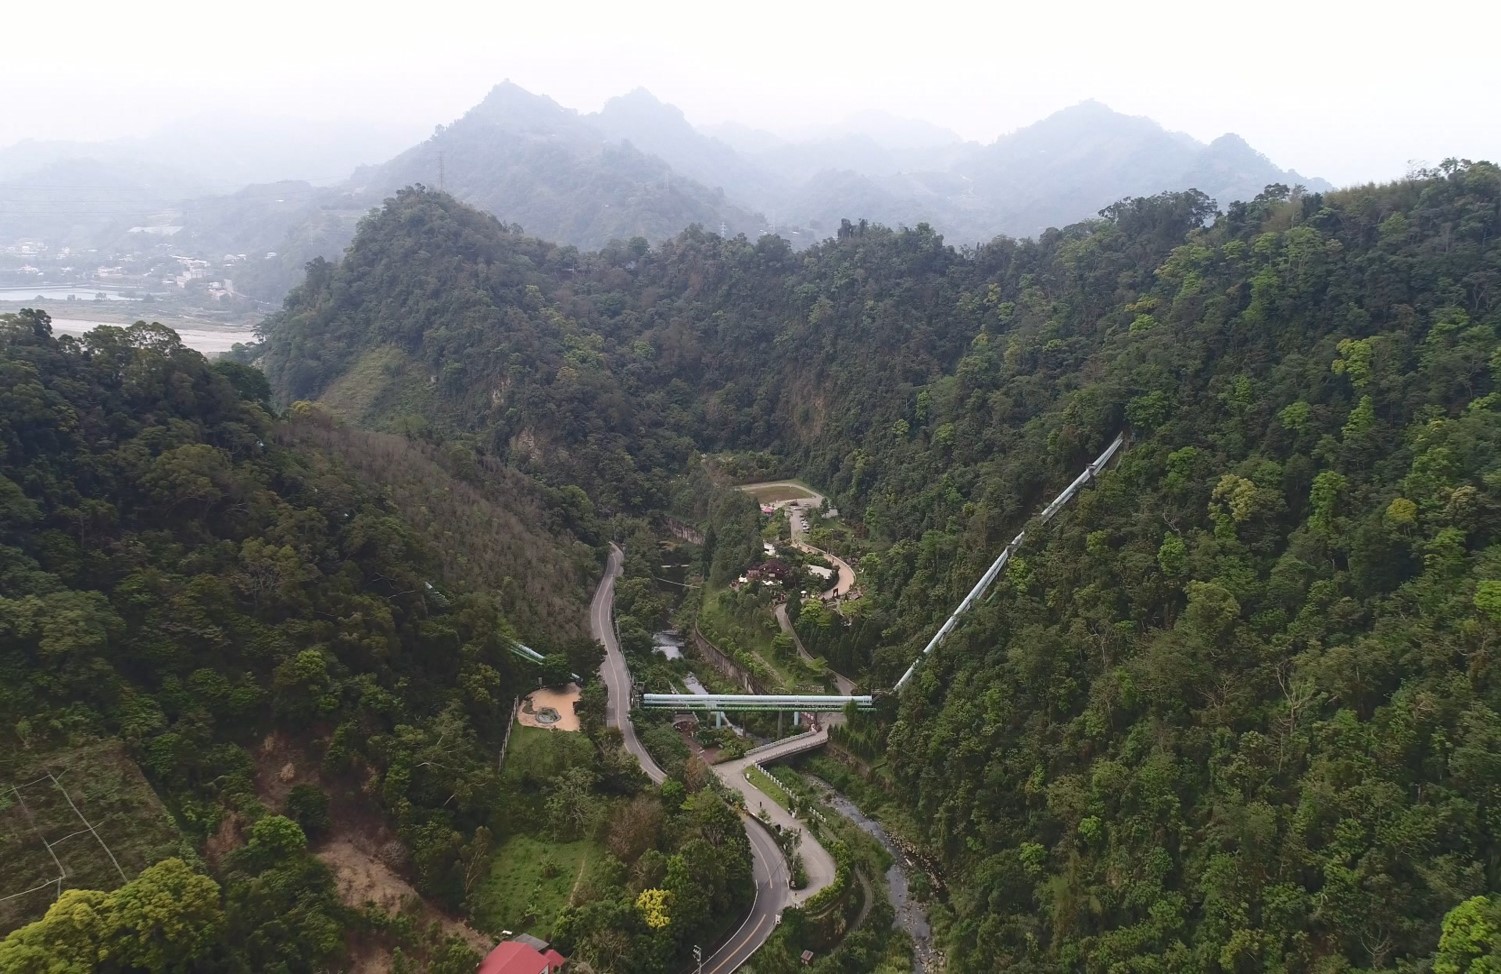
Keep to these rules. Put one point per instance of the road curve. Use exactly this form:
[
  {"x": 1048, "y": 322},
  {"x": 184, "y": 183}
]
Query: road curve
[
  {"x": 817, "y": 861},
  {"x": 768, "y": 867},
  {"x": 617, "y": 675},
  {"x": 845, "y": 579}
]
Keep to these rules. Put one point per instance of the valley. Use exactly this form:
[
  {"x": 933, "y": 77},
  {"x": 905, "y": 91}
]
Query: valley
[
  {"x": 824, "y": 489},
  {"x": 1227, "y": 702},
  {"x": 929, "y": 446}
]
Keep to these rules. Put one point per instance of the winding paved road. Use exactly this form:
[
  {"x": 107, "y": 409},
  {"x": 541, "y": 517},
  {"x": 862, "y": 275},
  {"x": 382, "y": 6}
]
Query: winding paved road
[
  {"x": 768, "y": 868},
  {"x": 616, "y": 674}
]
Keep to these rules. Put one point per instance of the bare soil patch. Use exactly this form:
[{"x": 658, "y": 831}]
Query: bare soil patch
[
  {"x": 281, "y": 763},
  {"x": 362, "y": 877},
  {"x": 361, "y": 850}
]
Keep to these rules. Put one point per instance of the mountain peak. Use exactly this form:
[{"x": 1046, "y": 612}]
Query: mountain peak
[
  {"x": 510, "y": 104},
  {"x": 1092, "y": 112},
  {"x": 1230, "y": 141},
  {"x": 1088, "y": 106},
  {"x": 640, "y": 105},
  {"x": 1231, "y": 149}
]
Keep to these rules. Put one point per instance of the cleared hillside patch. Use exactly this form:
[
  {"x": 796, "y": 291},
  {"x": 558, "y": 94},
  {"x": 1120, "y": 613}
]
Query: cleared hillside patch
[
  {"x": 355, "y": 393},
  {"x": 75, "y": 818},
  {"x": 531, "y": 879},
  {"x": 775, "y": 492}
]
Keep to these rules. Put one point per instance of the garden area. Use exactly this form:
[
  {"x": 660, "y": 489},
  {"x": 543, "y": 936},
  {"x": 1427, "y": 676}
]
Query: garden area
[{"x": 531, "y": 880}]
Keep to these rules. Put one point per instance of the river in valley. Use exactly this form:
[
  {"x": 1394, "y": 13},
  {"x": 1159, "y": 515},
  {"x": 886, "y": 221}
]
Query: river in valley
[
  {"x": 911, "y": 916},
  {"x": 211, "y": 338},
  {"x": 64, "y": 292}
]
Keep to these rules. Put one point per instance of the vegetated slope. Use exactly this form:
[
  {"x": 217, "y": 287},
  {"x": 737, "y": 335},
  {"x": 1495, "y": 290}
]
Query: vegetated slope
[
  {"x": 492, "y": 529},
  {"x": 607, "y": 370},
  {"x": 1236, "y": 708},
  {"x": 1237, "y": 711},
  {"x": 184, "y": 572}
]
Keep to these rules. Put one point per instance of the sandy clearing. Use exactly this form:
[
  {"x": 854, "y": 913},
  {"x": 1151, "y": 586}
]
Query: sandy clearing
[{"x": 560, "y": 700}]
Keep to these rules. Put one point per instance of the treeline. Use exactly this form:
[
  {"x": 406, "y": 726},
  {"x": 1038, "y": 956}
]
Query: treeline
[{"x": 1235, "y": 710}]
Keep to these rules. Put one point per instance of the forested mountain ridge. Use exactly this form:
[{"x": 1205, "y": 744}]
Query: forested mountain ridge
[
  {"x": 590, "y": 367},
  {"x": 1236, "y": 711},
  {"x": 639, "y": 168},
  {"x": 1239, "y": 712}
]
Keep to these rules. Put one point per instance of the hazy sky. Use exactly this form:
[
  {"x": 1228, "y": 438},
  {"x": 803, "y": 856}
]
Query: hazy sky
[{"x": 1343, "y": 90}]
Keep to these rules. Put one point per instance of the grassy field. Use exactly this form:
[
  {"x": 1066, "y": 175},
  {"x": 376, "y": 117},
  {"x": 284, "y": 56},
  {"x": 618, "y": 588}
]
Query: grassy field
[
  {"x": 535, "y": 752},
  {"x": 771, "y": 493},
  {"x": 531, "y": 878},
  {"x": 55, "y": 799},
  {"x": 769, "y": 786},
  {"x": 530, "y": 881}
]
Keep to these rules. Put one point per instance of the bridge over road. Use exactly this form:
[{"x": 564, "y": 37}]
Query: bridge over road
[
  {"x": 798, "y": 702},
  {"x": 768, "y": 866}
]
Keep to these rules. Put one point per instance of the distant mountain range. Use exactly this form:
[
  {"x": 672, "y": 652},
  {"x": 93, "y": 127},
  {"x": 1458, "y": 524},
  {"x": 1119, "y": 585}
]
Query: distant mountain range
[
  {"x": 635, "y": 168},
  {"x": 222, "y": 152}
]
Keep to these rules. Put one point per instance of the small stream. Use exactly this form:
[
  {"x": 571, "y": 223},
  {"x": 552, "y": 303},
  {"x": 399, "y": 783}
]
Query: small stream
[{"x": 911, "y": 916}]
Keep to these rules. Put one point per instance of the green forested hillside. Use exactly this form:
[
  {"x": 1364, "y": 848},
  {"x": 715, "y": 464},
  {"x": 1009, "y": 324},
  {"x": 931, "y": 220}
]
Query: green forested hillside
[
  {"x": 183, "y": 573},
  {"x": 1239, "y": 712},
  {"x": 1236, "y": 709}
]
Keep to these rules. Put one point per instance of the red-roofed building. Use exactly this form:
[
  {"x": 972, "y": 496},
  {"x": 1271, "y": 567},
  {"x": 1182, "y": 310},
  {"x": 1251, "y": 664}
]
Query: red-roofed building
[{"x": 513, "y": 957}]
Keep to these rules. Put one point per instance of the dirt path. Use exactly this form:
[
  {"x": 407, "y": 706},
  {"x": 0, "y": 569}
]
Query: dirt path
[
  {"x": 845, "y": 684},
  {"x": 867, "y": 899},
  {"x": 584, "y": 864}
]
